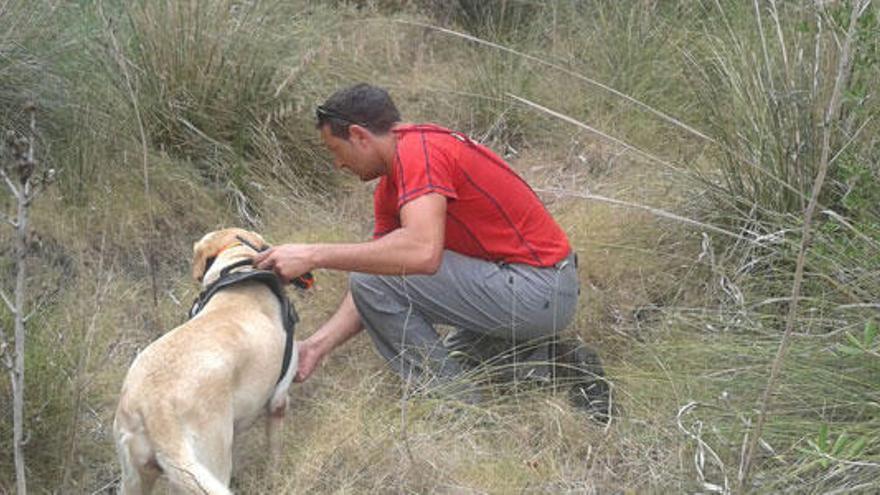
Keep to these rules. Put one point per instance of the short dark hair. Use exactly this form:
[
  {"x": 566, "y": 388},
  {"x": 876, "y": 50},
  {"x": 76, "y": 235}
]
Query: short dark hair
[{"x": 362, "y": 104}]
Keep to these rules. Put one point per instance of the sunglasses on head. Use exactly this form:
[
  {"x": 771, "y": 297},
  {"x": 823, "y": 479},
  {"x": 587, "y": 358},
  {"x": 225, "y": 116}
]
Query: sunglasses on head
[{"x": 323, "y": 112}]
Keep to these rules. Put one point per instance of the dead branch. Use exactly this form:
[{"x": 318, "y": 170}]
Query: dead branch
[
  {"x": 831, "y": 116},
  {"x": 20, "y": 168}
]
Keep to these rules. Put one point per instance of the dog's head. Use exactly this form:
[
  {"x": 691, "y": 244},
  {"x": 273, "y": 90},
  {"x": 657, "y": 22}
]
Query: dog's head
[{"x": 209, "y": 247}]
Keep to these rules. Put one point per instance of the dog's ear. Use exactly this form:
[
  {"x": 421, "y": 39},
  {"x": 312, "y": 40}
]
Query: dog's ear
[
  {"x": 209, "y": 246},
  {"x": 201, "y": 253}
]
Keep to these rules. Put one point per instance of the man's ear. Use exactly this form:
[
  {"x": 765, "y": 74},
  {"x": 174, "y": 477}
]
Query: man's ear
[{"x": 358, "y": 134}]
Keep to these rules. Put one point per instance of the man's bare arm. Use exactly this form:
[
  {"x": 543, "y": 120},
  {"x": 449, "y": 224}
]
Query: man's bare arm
[
  {"x": 342, "y": 326},
  {"x": 415, "y": 248}
]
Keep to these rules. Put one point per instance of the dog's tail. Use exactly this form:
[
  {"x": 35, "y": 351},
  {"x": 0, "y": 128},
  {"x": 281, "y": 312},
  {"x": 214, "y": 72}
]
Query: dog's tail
[
  {"x": 178, "y": 461},
  {"x": 171, "y": 454},
  {"x": 190, "y": 476}
]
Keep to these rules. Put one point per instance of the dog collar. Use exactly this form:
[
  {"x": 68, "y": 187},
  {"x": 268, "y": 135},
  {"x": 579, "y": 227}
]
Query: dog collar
[{"x": 228, "y": 279}]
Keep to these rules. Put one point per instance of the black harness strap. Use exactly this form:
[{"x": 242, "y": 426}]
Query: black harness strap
[{"x": 227, "y": 279}]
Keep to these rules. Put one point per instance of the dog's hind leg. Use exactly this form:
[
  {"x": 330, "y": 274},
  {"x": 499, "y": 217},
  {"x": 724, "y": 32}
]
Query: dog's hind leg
[
  {"x": 139, "y": 468},
  {"x": 277, "y": 408},
  {"x": 138, "y": 481},
  {"x": 274, "y": 433},
  {"x": 275, "y": 427}
]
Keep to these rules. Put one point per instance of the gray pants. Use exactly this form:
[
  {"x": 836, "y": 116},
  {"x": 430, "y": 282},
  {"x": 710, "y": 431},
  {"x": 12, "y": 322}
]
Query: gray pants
[{"x": 494, "y": 308}]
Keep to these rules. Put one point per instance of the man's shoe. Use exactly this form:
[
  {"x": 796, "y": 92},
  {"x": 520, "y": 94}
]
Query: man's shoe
[{"x": 580, "y": 367}]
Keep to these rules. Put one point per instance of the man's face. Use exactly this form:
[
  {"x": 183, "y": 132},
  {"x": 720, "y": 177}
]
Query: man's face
[{"x": 354, "y": 154}]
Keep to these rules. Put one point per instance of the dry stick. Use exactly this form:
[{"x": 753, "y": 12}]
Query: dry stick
[
  {"x": 648, "y": 156},
  {"x": 121, "y": 62},
  {"x": 20, "y": 252},
  {"x": 580, "y": 124},
  {"x": 833, "y": 109},
  {"x": 667, "y": 118},
  {"x": 15, "y": 363},
  {"x": 764, "y": 46},
  {"x": 650, "y": 209},
  {"x": 640, "y": 104}
]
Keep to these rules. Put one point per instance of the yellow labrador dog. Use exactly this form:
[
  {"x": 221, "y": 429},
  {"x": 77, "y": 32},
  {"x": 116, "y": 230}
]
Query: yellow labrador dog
[{"x": 187, "y": 393}]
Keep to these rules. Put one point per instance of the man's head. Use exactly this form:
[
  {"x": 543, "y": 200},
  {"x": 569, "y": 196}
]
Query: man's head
[
  {"x": 364, "y": 105},
  {"x": 354, "y": 124}
]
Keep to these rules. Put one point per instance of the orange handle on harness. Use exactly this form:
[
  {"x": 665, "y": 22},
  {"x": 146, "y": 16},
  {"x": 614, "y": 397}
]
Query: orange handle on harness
[{"x": 304, "y": 281}]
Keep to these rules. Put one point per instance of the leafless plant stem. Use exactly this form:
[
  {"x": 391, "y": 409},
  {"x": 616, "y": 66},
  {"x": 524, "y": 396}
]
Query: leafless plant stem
[
  {"x": 668, "y": 118},
  {"x": 24, "y": 193},
  {"x": 831, "y": 115},
  {"x": 123, "y": 67}
]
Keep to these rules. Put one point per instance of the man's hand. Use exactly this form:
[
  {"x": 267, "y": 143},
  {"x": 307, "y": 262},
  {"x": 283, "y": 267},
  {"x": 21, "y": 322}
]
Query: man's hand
[
  {"x": 309, "y": 358},
  {"x": 288, "y": 261}
]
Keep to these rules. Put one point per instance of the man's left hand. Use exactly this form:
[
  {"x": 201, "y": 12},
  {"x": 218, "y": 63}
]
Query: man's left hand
[{"x": 288, "y": 261}]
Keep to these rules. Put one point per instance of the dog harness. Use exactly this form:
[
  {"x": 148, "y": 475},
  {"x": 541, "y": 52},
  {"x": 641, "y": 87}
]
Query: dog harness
[{"x": 230, "y": 279}]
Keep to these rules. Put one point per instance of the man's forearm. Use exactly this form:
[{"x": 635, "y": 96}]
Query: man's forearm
[
  {"x": 343, "y": 325},
  {"x": 397, "y": 253}
]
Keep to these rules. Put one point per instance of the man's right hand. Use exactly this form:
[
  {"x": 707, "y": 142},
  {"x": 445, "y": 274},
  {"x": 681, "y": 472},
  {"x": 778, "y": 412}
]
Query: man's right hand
[
  {"x": 309, "y": 358},
  {"x": 343, "y": 325},
  {"x": 288, "y": 261}
]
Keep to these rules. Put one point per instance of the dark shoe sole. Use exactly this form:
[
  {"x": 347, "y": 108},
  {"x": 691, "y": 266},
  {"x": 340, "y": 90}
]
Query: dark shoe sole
[{"x": 581, "y": 367}]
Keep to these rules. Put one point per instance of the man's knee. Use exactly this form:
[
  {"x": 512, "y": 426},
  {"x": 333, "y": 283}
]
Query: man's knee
[
  {"x": 370, "y": 291},
  {"x": 362, "y": 283}
]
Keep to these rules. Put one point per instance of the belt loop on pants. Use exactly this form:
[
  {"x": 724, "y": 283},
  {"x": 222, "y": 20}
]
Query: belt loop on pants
[{"x": 572, "y": 258}]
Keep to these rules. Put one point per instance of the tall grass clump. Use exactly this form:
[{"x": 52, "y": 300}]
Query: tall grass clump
[
  {"x": 602, "y": 63},
  {"x": 25, "y": 75},
  {"x": 215, "y": 83},
  {"x": 763, "y": 74},
  {"x": 783, "y": 90}
]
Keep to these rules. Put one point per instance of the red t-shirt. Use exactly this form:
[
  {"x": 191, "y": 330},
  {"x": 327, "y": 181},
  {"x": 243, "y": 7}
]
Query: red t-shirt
[{"x": 491, "y": 212}]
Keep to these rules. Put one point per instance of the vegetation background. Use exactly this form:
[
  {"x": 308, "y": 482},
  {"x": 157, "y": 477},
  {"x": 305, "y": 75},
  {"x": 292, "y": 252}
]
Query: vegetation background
[{"x": 677, "y": 142}]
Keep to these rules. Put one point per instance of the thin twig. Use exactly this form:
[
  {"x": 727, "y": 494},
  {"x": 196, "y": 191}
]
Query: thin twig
[
  {"x": 121, "y": 62},
  {"x": 774, "y": 14},
  {"x": 655, "y": 211},
  {"x": 189, "y": 125},
  {"x": 851, "y": 139},
  {"x": 9, "y": 183},
  {"x": 7, "y": 301},
  {"x": 858, "y": 306},
  {"x": 645, "y": 106},
  {"x": 839, "y": 218},
  {"x": 830, "y": 116},
  {"x": 580, "y": 124},
  {"x": 764, "y": 46},
  {"x": 109, "y": 484},
  {"x": 702, "y": 448},
  {"x": 848, "y": 463}
]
